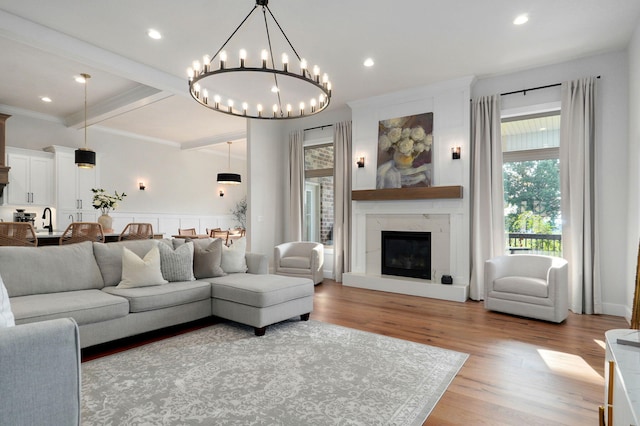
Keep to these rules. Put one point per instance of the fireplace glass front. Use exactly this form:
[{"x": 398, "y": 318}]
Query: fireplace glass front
[{"x": 406, "y": 254}]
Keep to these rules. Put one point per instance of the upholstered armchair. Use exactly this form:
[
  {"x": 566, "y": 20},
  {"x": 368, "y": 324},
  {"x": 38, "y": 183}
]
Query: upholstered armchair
[
  {"x": 300, "y": 259},
  {"x": 528, "y": 285}
]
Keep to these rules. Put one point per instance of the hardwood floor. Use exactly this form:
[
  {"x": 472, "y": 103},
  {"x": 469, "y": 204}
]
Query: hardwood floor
[{"x": 520, "y": 371}]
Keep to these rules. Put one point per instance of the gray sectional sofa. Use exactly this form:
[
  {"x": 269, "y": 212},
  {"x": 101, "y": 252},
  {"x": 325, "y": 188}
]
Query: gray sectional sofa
[{"x": 81, "y": 281}]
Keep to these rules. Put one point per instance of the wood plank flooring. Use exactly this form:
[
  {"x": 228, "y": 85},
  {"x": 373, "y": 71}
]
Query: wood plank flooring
[{"x": 520, "y": 371}]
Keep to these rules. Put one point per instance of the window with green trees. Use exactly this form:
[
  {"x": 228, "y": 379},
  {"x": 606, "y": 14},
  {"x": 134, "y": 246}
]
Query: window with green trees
[{"x": 531, "y": 174}]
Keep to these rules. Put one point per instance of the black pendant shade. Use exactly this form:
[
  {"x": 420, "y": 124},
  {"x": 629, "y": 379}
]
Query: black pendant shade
[
  {"x": 229, "y": 178},
  {"x": 85, "y": 158}
]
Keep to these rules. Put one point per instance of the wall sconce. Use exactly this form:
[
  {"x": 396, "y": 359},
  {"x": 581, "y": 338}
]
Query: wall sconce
[
  {"x": 360, "y": 162},
  {"x": 221, "y": 193},
  {"x": 142, "y": 186},
  {"x": 455, "y": 153}
]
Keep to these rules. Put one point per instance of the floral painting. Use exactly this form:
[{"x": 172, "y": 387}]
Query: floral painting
[{"x": 405, "y": 151}]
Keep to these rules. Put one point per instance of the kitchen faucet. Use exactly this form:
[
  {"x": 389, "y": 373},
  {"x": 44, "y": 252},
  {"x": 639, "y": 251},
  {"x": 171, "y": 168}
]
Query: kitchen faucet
[{"x": 44, "y": 215}]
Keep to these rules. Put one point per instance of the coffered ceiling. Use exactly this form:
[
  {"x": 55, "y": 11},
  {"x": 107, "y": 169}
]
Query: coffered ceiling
[{"x": 139, "y": 87}]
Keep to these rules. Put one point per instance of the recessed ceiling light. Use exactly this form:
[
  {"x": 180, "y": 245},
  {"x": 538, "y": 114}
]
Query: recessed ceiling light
[
  {"x": 45, "y": 99},
  {"x": 368, "y": 62},
  {"x": 521, "y": 19},
  {"x": 154, "y": 34}
]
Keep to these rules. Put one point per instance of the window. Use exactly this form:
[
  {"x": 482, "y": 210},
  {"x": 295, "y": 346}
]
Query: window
[
  {"x": 531, "y": 174},
  {"x": 318, "y": 193}
]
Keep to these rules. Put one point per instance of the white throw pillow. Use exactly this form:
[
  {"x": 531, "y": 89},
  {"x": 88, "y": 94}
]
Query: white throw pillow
[
  {"x": 6, "y": 316},
  {"x": 138, "y": 272},
  {"x": 233, "y": 258}
]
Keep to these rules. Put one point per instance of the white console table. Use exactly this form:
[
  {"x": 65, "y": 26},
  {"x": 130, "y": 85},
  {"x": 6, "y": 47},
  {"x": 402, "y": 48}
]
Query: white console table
[{"x": 622, "y": 379}]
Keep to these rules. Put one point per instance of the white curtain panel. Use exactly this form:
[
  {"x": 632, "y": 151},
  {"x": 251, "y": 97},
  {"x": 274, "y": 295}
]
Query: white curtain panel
[
  {"x": 577, "y": 154},
  {"x": 487, "y": 200},
  {"x": 342, "y": 199},
  {"x": 296, "y": 184}
]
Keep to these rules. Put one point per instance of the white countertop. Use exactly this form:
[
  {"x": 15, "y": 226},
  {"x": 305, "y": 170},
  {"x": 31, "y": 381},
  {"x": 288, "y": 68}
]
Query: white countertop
[{"x": 627, "y": 359}]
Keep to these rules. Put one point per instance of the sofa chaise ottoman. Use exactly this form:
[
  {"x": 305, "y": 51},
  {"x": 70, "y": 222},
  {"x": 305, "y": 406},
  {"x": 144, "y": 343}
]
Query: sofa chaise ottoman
[{"x": 259, "y": 301}]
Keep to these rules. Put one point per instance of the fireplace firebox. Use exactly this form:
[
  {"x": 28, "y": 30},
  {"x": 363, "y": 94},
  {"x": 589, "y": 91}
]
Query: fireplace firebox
[{"x": 406, "y": 254}]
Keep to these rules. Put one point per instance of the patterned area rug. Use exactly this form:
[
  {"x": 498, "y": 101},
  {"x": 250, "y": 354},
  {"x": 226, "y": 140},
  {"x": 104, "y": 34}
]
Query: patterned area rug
[{"x": 299, "y": 373}]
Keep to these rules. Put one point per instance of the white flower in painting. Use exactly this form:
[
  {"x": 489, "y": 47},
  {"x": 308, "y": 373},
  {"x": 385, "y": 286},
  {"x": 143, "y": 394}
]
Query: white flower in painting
[
  {"x": 406, "y": 133},
  {"x": 405, "y": 146},
  {"x": 417, "y": 134},
  {"x": 384, "y": 143},
  {"x": 429, "y": 141},
  {"x": 419, "y": 147},
  {"x": 395, "y": 134}
]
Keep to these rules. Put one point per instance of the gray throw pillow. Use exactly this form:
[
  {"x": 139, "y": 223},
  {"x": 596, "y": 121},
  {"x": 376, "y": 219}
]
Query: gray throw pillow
[
  {"x": 207, "y": 259},
  {"x": 176, "y": 265}
]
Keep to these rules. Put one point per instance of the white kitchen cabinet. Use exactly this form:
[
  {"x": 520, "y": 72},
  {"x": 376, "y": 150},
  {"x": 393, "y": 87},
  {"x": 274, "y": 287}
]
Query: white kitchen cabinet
[
  {"x": 65, "y": 217},
  {"x": 30, "y": 177},
  {"x": 73, "y": 188}
]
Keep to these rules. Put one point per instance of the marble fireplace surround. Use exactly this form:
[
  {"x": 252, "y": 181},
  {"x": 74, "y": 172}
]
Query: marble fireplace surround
[{"x": 448, "y": 247}]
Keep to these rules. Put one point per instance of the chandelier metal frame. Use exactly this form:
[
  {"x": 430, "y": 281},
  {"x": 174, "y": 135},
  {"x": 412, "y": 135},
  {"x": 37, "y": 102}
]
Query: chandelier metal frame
[{"x": 279, "y": 111}]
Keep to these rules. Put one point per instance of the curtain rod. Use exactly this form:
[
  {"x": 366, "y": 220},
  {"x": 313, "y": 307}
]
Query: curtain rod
[
  {"x": 318, "y": 127},
  {"x": 524, "y": 91}
]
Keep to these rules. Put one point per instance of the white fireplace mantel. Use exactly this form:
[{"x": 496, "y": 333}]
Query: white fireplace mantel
[{"x": 443, "y": 218}]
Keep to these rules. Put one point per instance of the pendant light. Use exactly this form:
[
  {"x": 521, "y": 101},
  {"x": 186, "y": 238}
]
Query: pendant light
[
  {"x": 229, "y": 178},
  {"x": 85, "y": 157}
]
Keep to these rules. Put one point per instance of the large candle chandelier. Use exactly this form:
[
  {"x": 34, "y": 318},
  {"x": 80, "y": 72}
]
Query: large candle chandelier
[{"x": 254, "y": 86}]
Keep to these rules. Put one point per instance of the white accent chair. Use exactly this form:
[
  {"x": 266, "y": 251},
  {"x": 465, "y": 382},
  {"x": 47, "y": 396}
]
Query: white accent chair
[
  {"x": 528, "y": 285},
  {"x": 300, "y": 259}
]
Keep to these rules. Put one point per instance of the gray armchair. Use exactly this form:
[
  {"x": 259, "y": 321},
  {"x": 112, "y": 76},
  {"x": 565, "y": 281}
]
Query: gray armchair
[
  {"x": 300, "y": 259},
  {"x": 40, "y": 374},
  {"x": 528, "y": 285}
]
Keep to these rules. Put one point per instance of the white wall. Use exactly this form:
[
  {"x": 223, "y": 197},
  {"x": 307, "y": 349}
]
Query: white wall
[
  {"x": 612, "y": 147},
  {"x": 633, "y": 226},
  {"x": 266, "y": 162},
  {"x": 178, "y": 182}
]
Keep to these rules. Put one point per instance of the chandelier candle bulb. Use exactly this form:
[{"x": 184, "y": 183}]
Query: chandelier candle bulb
[
  {"x": 230, "y": 105},
  {"x": 245, "y": 106},
  {"x": 196, "y": 67},
  {"x": 285, "y": 62},
  {"x": 216, "y": 101},
  {"x": 243, "y": 57},
  {"x": 205, "y": 96},
  {"x": 288, "y": 110},
  {"x": 316, "y": 73},
  {"x": 265, "y": 56},
  {"x": 275, "y": 110},
  {"x": 301, "y": 108},
  {"x": 206, "y": 63},
  {"x": 303, "y": 67},
  {"x": 190, "y": 73},
  {"x": 313, "y": 105},
  {"x": 259, "y": 110},
  {"x": 196, "y": 89},
  {"x": 223, "y": 59}
]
